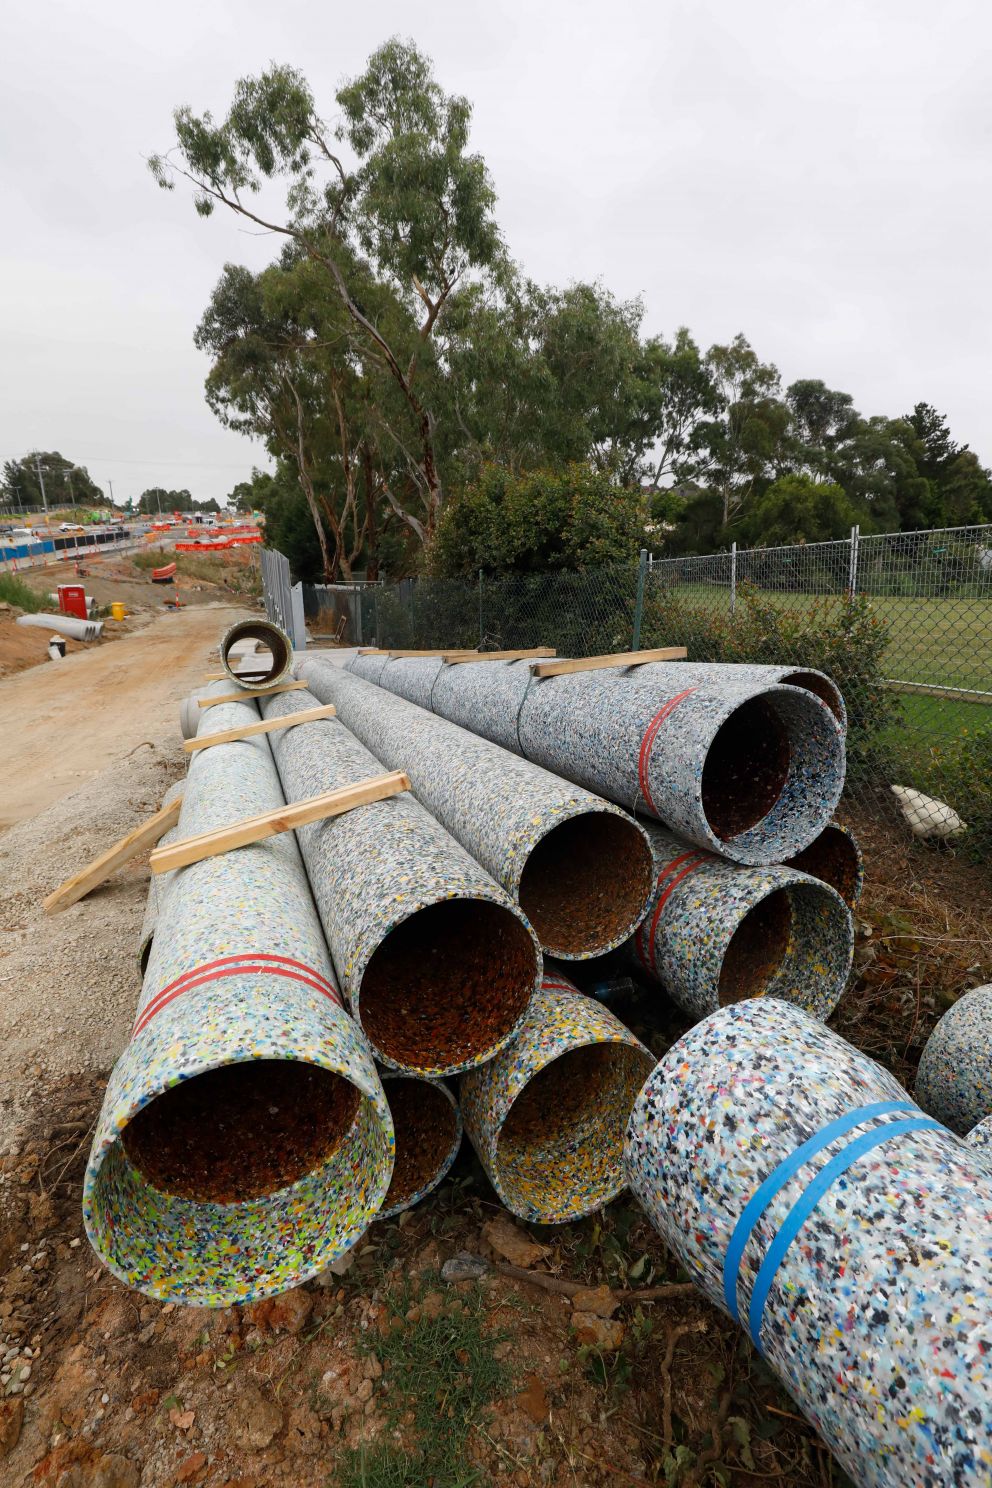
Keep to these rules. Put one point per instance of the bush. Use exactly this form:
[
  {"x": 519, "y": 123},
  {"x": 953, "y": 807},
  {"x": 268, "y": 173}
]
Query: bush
[
  {"x": 960, "y": 773},
  {"x": 14, "y": 591}
]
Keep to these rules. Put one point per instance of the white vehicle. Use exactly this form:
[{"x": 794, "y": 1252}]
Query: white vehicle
[
  {"x": 22, "y": 535},
  {"x": 71, "y": 527}
]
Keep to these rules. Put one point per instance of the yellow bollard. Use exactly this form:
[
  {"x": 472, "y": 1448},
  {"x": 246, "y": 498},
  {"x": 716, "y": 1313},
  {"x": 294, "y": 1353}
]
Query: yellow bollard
[{"x": 117, "y": 610}]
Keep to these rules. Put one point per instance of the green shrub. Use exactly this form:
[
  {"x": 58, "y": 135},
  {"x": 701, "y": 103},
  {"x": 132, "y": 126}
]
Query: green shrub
[
  {"x": 14, "y": 591},
  {"x": 960, "y": 773}
]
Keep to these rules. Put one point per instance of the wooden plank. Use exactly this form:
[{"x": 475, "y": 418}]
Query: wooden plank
[
  {"x": 283, "y": 819},
  {"x": 222, "y": 676},
  {"x": 459, "y": 658},
  {"x": 439, "y": 651},
  {"x": 264, "y": 726},
  {"x": 242, "y": 697},
  {"x": 615, "y": 658},
  {"x": 142, "y": 837}
]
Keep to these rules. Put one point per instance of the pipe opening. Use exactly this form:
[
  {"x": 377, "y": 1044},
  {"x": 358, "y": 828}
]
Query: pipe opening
[
  {"x": 585, "y": 884},
  {"x": 242, "y": 1131},
  {"x": 448, "y": 985},
  {"x": 833, "y": 858},
  {"x": 820, "y": 687},
  {"x": 757, "y": 949},
  {"x": 271, "y": 638},
  {"x": 561, "y": 1145},
  {"x": 746, "y": 769},
  {"x": 426, "y": 1127}
]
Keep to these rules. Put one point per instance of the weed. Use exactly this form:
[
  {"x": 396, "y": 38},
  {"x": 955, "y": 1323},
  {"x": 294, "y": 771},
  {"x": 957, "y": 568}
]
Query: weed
[{"x": 14, "y": 591}]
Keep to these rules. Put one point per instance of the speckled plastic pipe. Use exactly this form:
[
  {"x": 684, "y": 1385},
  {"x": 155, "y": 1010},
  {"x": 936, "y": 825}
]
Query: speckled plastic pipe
[
  {"x": 273, "y": 639},
  {"x": 437, "y": 961},
  {"x": 812, "y": 1200},
  {"x": 157, "y": 885},
  {"x": 954, "y": 1080},
  {"x": 754, "y": 674},
  {"x": 428, "y": 1126},
  {"x": 749, "y": 768},
  {"x": 239, "y": 981},
  {"x": 834, "y": 857},
  {"x": 979, "y": 1139},
  {"x": 547, "y": 1116},
  {"x": 579, "y": 867},
  {"x": 716, "y": 932}
]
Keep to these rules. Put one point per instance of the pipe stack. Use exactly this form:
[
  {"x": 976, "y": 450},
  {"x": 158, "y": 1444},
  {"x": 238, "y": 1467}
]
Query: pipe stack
[
  {"x": 732, "y": 760},
  {"x": 834, "y": 857},
  {"x": 810, "y": 1199},
  {"x": 428, "y": 1127},
  {"x": 954, "y": 1080},
  {"x": 437, "y": 962},
  {"x": 578, "y": 866},
  {"x": 245, "y": 1140}
]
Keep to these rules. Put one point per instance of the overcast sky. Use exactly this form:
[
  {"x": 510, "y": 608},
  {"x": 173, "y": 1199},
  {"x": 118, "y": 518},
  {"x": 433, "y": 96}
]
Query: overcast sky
[{"x": 814, "y": 173}]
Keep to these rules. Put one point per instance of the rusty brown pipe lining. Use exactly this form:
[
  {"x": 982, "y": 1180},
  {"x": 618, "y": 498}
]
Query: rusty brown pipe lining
[
  {"x": 274, "y": 640},
  {"x": 835, "y": 858},
  {"x": 428, "y": 1127}
]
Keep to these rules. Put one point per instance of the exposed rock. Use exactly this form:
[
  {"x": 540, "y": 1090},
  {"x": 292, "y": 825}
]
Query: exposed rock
[
  {"x": 11, "y": 1420},
  {"x": 512, "y": 1243},
  {"x": 254, "y": 1420},
  {"x": 189, "y": 1469},
  {"x": 286, "y": 1313},
  {"x": 534, "y": 1399},
  {"x": 597, "y": 1332},
  {"x": 599, "y": 1300}
]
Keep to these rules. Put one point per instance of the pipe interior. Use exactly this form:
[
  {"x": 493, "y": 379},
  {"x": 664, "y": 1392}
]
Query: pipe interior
[
  {"x": 585, "y": 884},
  {"x": 561, "y": 1145},
  {"x": 271, "y": 639},
  {"x": 448, "y": 984},
  {"x": 832, "y": 858},
  {"x": 746, "y": 768},
  {"x": 426, "y": 1127},
  {"x": 757, "y": 949},
  {"x": 241, "y": 1131},
  {"x": 820, "y": 687}
]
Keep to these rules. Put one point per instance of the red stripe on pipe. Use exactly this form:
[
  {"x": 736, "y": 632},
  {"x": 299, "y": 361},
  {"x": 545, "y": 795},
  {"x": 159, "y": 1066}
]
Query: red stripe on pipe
[
  {"x": 246, "y": 956},
  {"x": 250, "y": 966},
  {"x": 666, "y": 895},
  {"x": 213, "y": 976},
  {"x": 548, "y": 984},
  {"x": 647, "y": 743},
  {"x": 675, "y": 863}
]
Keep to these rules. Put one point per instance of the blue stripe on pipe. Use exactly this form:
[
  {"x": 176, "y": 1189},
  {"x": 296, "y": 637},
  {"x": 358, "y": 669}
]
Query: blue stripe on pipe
[
  {"x": 779, "y": 1177},
  {"x": 804, "y": 1206}
]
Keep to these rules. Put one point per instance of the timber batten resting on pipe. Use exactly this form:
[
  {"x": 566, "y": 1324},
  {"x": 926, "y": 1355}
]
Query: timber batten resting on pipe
[
  {"x": 716, "y": 932},
  {"x": 245, "y": 1141},
  {"x": 808, "y": 1197},
  {"x": 272, "y": 637},
  {"x": 428, "y": 1127},
  {"x": 578, "y": 865},
  {"x": 547, "y": 1115},
  {"x": 751, "y": 769},
  {"x": 954, "y": 1079},
  {"x": 437, "y": 961}
]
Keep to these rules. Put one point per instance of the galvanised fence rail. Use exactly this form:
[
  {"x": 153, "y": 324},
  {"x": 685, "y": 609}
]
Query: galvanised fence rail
[{"x": 903, "y": 621}]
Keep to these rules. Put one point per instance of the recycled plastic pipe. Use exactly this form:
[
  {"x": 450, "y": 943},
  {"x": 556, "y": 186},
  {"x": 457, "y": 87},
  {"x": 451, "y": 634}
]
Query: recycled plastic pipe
[
  {"x": 74, "y": 628},
  {"x": 157, "y": 885},
  {"x": 245, "y": 1141},
  {"x": 547, "y": 1116},
  {"x": 979, "y": 1139},
  {"x": 752, "y": 770},
  {"x": 716, "y": 932},
  {"x": 411, "y": 677},
  {"x": 808, "y": 1197},
  {"x": 274, "y": 640},
  {"x": 190, "y": 713},
  {"x": 437, "y": 961},
  {"x": 835, "y": 858},
  {"x": 748, "y": 673},
  {"x": 954, "y": 1080},
  {"x": 369, "y": 668},
  {"x": 579, "y": 868},
  {"x": 428, "y": 1126}
]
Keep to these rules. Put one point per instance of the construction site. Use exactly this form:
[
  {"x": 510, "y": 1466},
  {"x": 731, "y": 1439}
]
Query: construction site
[{"x": 464, "y": 1067}]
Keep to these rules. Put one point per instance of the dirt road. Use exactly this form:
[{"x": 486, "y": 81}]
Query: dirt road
[{"x": 63, "y": 721}]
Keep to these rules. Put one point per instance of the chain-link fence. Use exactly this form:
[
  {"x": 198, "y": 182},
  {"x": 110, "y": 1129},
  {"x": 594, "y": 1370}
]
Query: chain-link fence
[{"x": 903, "y": 622}]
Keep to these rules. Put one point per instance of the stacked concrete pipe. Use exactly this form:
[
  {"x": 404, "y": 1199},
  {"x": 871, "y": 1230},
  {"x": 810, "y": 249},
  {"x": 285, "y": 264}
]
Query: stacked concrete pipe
[
  {"x": 954, "y": 1079},
  {"x": 438, "y": 962},
  {"x": 75, "y": 629},
  {"x": 810, "y": 1199},
  {"x": 271, "y": 638},
  {"x": 245, "y": 1140},
  {"x": 834, "y": 857},
  {"x": 578, "y": 866},
  {"x": 716, "y": 932},
  {"x": 747, "y": 767},
  {"x": 157, "y": 885},
  {"x": 428, "y": 1127},
  {"x": 547, "y": 1116}
]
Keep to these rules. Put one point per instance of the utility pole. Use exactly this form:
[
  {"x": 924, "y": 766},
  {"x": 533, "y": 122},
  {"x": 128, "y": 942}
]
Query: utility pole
[
  {"x": 111, "y": 485},
  {"x": 68, "y": 476},
  {"x": 41, "y": 482}
]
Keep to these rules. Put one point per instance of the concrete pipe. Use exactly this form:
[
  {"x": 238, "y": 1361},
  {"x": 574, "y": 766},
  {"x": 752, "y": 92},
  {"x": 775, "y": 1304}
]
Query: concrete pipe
[
  {"x": 245, "y": 1141},
  {"x": 438, "y": 963},
  {"x": 547, "y": 1116},
  {"x": 428, "y": 1127},
  {"x": 954, "y": 1080},
  {"x": 75, "y": 629},
  {"x": 579, "y": 867},
  {"x": 810, "y": 1199},
  {"x": 265, "y": 671},
  {"x": 750, "y": 769},
  {"x": 157, "y": 885},
  {"x": 369, "y": 668},
  {"x": 835, "y": 858},
  {"x": 716, "y": 932}
]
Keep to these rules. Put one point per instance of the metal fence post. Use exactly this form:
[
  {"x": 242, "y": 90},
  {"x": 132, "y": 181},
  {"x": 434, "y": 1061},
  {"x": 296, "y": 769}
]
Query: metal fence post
[
  {"x": 375, "y": 613},
  {"x": 481, "y": 630},
  {"x": 733, "y": 578},
  {"x": 642, "y": 568},
  {"x": 852, "y": 576}
]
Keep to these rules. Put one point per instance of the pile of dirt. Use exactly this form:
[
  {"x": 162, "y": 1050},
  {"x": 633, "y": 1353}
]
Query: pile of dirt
[{"x": 23, "y": 646}]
